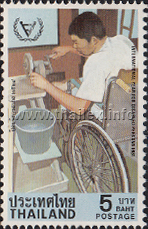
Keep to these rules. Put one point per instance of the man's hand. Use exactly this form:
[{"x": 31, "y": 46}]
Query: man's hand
[
  {"x": 60, "y": 51},
  {"x": 38, "y": 80},
  {"x": 68, "y": 101},
  {"x": 63, "y": 50}
]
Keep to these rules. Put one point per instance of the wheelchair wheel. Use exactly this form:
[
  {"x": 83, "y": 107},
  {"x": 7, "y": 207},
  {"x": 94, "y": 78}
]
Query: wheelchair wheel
[{"x": 95, "y": 162}]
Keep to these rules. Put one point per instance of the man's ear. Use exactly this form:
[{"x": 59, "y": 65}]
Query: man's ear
[{"x": 94, "y": 40}]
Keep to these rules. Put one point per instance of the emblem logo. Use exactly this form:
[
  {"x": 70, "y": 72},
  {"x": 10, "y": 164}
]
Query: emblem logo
[{"x": 20, "y": 28}]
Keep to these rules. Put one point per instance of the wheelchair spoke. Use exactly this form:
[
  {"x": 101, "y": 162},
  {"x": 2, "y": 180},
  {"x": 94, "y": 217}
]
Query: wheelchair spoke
[
  {"x": 84, "y": 175},
  {"x": 96, "y": 167},
  {"x": 82, "y": 163},
  {"x": 106, "y": 176},
  {"x": 96, "y": 185},
  {"x": 102, "y": 177},
  {"x": 105, "y": 169},
  {"x": 98, "y": 153},
  {"x": 86, "y": 146},
  {"x": 88, "y": 155},
  {"x": 89, "y": 141},
  {"x": 91, "y": 146},
  {"x": 105, "y": 183},
  {"x": 81, "y": 151},
  {"x": 102, "y": 190},
  {"x": 83, "y": 154},
  {"x": 94, "y": 158},
  {"x": 86, "y": 179},
  {"x": 103, "y": 162},
  {"x": 94, "y": 164},
  {"x": 102, "y": 168},
  {"x": 88, "y": 184}
]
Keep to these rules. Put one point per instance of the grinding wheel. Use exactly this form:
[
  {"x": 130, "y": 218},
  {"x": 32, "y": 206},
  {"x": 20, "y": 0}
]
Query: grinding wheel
[
  {"x": 41, "y": 68},
  {"x": 28, "y": 64}
]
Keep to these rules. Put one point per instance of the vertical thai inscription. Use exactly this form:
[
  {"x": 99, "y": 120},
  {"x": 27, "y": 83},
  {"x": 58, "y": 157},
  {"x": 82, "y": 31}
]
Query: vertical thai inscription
[
  {"x": 12, "y": 100},
  {"x": 133, "y": 100}
]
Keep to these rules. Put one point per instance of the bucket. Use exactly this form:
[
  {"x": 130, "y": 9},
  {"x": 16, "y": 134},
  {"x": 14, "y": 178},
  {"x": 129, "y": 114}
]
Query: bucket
[{"x": 34, "y": 128}]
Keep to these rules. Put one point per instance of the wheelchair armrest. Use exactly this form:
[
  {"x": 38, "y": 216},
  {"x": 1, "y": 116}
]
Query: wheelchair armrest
[
  {"x": 120, "y": 82},
  {"x": 127, "y": 76},
  {"x": 73, "y": 81},
  {"x": 124, "y": 86}
]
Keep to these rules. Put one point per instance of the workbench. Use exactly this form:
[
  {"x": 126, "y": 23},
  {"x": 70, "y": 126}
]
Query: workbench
[{"x": 32, "y": 173}]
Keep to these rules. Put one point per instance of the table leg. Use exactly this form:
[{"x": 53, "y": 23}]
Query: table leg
[
  {"x": 56, "y": 167},
  {"x": 32, "y": 103},
  {"x": 40, "y": 103}
]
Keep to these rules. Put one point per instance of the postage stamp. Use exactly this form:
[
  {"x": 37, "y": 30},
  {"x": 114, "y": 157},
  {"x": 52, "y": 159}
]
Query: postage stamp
[{"x": 73, "y": 114}]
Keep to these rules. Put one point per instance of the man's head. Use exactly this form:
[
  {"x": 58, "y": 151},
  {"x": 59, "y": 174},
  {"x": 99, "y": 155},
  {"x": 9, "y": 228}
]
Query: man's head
[{"x": 86, "y": 31}]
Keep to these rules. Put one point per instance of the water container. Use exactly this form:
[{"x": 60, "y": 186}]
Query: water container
[{"x": 34, "y": 128}]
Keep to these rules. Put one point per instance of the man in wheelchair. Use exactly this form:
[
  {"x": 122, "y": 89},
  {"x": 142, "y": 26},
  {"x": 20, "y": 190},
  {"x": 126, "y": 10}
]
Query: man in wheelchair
[
  {"x": 106, "y": 56},
  {"x": 95, "y": 161}
]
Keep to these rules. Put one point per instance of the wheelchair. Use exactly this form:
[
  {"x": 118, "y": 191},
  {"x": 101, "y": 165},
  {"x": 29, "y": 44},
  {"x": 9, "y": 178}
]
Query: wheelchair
[{"x": 95, "y": 150}]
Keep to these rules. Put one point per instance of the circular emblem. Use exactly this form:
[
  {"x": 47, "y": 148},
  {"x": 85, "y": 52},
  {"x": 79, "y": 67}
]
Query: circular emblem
[{"x": 28, "y": 28}]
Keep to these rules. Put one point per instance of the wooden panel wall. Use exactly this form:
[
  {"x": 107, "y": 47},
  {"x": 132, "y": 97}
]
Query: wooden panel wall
[
  {"x": 70, "y": 64},
  {"x": 109, "y": 19}
]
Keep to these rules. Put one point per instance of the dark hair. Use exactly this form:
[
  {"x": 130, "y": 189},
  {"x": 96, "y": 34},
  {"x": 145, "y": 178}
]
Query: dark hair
[{"x": 87, "y": 25}]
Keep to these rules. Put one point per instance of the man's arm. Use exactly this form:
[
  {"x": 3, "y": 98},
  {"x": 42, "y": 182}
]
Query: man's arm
[
  {"x": 63, "y": 50},
  {"x": 61, "y": 85},
  {"x": 72, "y": 103}
]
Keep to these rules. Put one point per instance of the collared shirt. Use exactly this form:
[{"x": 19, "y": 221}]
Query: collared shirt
[{"x": 115, "y": 54}]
